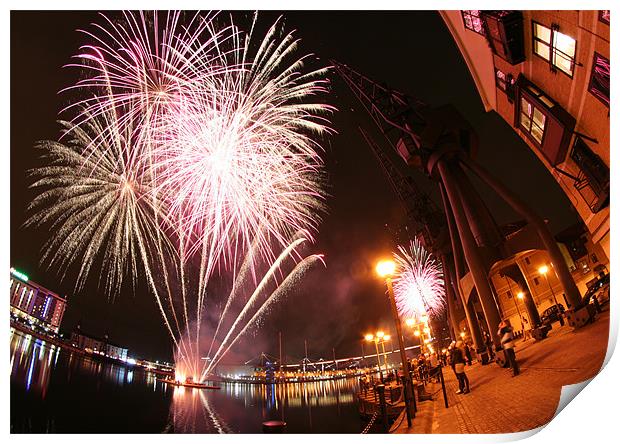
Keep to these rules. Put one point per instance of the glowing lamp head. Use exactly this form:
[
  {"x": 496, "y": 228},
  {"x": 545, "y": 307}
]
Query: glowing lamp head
[
  {"x": 380, "y": 334},
  {"x": 386, "y": 337},
  {"x": 462, "y": 334},
  {"x": 410, "y": 322},
  {"x": 386, "y": 268},
  {"x": 520, "y": 295},
  {"x": 416, "y": 333},
  {"x": 543, "y": 269},
  {"x": 369, "y": 337}
]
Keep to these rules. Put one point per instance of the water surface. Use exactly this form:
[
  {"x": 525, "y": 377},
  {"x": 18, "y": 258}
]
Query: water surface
[{"x": 56, "y": 391}]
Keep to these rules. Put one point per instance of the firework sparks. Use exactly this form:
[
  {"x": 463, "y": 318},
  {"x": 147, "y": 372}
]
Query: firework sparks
[
  {"x": 194, "y": 146},
  {"x": 235, "y": 159},
  {"x": 419, "y": 285}
]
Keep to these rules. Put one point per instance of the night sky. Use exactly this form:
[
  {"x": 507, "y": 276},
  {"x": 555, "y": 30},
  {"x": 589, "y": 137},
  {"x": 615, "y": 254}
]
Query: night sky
[{"x": 336, "y": 305}]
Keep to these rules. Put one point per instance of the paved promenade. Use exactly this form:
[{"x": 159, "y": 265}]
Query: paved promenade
[{"x": 501, "y": 403}]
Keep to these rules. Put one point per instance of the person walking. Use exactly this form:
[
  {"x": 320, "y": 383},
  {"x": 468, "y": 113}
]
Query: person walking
[
  {"x": 457, "y": 358},
  {"x": 489, "y": 344},
  {"x": 505, "y": 332},
  {"x": 467, "y": 353}
]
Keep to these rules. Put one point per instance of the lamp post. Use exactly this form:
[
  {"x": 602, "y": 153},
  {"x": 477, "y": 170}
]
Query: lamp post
[
  {"x": 514, "y": 299},
  {"x": 369, "y": 337},
  {"x": 386, "y": 270},
  {"x": 383, "y": 341},
  {"x": 543, "y": 270},
  {"x": 420, "y": 332},
  {"x": 520, "y": 296}
]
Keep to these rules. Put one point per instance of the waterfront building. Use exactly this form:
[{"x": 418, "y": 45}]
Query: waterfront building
[
  {"x": 521, "y": 273},
  {"x": 94, "y": 344},
  {"x": 547, "y": 73},
  {"x": 34, "y": 304}
]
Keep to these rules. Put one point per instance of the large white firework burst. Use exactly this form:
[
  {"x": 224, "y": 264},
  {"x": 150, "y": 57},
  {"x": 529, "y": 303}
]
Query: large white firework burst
[
  {"x": 419, "y": 284},
  {"x": 191, "y": 142}
]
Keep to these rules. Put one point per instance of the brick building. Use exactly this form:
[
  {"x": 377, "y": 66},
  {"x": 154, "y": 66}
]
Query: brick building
[{"x": 547, "y": 73}]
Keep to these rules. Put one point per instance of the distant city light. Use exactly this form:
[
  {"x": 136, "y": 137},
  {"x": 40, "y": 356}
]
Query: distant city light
[
  {"x": 131, "y": 361},
  {"x": 19, "y": 274}
]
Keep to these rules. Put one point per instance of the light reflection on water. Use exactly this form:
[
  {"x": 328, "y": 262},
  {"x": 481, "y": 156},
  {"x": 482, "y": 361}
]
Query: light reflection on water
[{"x": 54, "y": 390}]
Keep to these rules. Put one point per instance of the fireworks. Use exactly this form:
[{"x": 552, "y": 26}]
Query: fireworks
[
  {"x": 419, "y": 285},
  {"x": 191, "y": 146}
]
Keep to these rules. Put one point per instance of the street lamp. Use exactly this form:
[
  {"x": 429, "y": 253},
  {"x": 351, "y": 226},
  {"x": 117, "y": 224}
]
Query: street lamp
[
  {"x": 543, "y": 270},
  {"x": 519, "y": 296},
  {"x": 383, "y": 341},
  {"x": 386, "y": 270},
  {"x": 372, "y": 338}
]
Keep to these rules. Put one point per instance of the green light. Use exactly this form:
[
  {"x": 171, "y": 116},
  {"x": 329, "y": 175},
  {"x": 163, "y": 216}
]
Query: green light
[{"x": 19, "y": 274}]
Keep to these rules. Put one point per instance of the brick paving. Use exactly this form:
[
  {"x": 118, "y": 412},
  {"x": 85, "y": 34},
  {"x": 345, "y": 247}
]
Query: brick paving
[{"x": 501, "y": 403}]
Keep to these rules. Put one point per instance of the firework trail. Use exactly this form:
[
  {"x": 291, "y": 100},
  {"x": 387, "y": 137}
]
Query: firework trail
[
  {"x": 289, "y": 281},
  {"x": 419, "y": 284},
  {"x": 192, "y": 145}
]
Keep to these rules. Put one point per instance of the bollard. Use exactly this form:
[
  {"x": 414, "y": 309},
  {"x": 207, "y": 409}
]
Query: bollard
[
  {"x": 443, "y": 386},
  {"x": 409, "y": 395},
  {"x": 383, "y": 406},
  {"x": 415, "y": 405}
]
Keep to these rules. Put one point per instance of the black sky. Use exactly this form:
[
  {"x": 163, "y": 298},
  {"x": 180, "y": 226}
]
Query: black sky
[{"x": 410, "y": 51}]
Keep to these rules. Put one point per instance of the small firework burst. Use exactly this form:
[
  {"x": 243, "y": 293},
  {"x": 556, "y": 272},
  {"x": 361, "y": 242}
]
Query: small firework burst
[{"x": 419, "y": 284}]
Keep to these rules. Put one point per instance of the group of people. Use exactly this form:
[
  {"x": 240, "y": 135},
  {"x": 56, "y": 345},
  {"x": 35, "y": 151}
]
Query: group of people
[{"x": 459, "y": 354}]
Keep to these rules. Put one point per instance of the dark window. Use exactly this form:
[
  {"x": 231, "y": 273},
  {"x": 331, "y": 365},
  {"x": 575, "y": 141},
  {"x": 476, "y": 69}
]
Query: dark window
[
  {"x": 509, "y": 294},
  {"x": 603, "y": 16},
  {"x": 577, "y": 248},
  {"x": 557, "y": 48},
  {"x": 593, "y": 179},
  {"x": 535, "y": 281},
  {"x": 599, "y": 79},
  {"x": 504, "y": 32},
  {"x": 473, "y": 21},
  {"x": 527, "y": 260}
]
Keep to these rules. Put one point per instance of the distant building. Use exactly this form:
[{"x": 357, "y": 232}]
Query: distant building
[
  {"x": 94, "y": 344},
  {"x": 34, "y": 304},
  {"x": 547, "y": 74}
]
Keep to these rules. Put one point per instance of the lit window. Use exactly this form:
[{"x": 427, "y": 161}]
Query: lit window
[
  {"x": 532, "y": 120},
  {"x": 603, "y": 16},
  {"x": 500, "y": 79},
  {"x": 557, "y": 48},
  {"x": 599, "y": 79},
  {"x": 504, "y": 82},
  {"x": 473, "y": 21}
]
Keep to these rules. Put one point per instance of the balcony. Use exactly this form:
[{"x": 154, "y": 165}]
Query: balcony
[{"x": 593, "y": 179}]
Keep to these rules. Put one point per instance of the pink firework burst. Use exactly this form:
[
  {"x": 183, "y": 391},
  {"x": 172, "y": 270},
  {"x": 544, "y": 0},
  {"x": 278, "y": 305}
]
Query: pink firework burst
[
  {"x": 419, "y": 284},
  {"x": 236, "y": 160}
]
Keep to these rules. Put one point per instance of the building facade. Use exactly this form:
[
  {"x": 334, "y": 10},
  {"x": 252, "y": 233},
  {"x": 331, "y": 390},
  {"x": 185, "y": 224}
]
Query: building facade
[
  {"x": 35, "y": 304},
  {"x": 101, "y": 346},
  {"x": 547, "y": 74}
]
